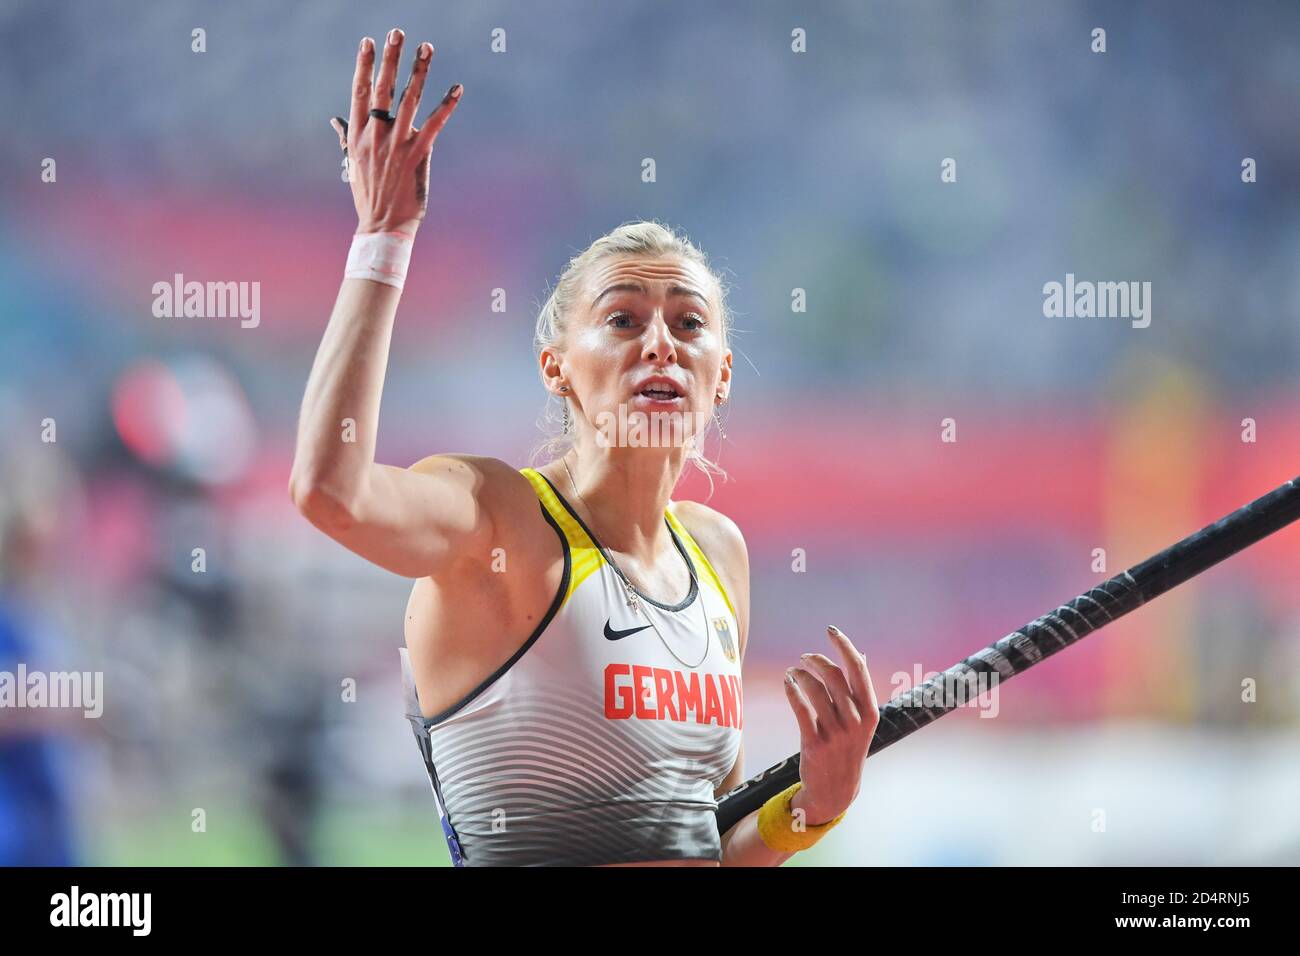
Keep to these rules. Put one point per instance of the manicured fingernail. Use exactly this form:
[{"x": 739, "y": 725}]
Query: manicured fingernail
[
  {"x": 367, "y": 44},
  {"x": 804, "y": 657},
  {"x": 833, "y": 629},
  {"x": 789, "y": 675},
  {"x": 455, "y": 91},
  {"x": 394, "y": 36},
  {"x": 425, "y": 51}
]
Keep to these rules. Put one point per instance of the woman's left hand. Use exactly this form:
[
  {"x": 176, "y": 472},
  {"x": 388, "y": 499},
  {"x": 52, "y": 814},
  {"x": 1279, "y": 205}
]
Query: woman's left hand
[{"x": 837, "y": 713}]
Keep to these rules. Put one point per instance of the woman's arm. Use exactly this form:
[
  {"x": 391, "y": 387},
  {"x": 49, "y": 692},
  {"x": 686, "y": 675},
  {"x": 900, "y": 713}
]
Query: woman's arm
[
  {"x": 741, "y": 845},
  {"x": 834, "y": 706},
  {"x": 410, "y": 521}
]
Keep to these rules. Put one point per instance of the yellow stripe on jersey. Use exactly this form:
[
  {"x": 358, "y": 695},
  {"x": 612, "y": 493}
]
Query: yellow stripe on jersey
[
  {"x": 583, "y": 554},
  {"x": 705, "y": 569}
]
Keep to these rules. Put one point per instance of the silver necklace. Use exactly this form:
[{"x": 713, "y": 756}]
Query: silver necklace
[{"x": 633, "y": 599}]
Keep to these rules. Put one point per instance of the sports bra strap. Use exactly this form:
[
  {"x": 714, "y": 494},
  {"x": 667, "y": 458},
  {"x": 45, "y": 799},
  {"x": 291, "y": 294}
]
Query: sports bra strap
[
  {"x": 587, "y": 557},
  {"x": 703, "y": 567},
  {"x": 583, "y": 553}
]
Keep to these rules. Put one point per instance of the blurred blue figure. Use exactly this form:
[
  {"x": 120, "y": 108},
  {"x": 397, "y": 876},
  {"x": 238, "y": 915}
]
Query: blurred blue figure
[
  {"x": 35, "y": 743},
  {"x": 34, "y": 828}
]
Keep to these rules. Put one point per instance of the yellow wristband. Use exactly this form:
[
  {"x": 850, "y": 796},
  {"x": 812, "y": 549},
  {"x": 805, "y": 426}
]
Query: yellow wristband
[{"x": 781, "y": 831}]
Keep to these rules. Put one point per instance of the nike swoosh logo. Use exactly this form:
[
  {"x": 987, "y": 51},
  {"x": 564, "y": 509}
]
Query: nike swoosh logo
[{"x": 613, "y": 635}]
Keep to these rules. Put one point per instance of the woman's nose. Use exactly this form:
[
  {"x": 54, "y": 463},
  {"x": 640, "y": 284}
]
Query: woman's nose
[{"x": 658, "y": 341}]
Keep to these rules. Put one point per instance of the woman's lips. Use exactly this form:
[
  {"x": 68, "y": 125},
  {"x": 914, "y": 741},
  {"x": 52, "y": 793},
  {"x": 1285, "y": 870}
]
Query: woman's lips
[{"x": 654, "y": 399}]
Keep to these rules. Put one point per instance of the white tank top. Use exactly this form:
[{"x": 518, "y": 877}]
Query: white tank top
[{"x": 603, "y": 738}]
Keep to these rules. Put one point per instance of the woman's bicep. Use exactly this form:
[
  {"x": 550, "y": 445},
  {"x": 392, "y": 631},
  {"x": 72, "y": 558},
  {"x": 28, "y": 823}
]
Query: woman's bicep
[{"x": 415, "y": 521}]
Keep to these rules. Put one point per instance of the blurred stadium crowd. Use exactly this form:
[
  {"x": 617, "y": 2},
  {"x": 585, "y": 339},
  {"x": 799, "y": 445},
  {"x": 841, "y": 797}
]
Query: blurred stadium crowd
[{"x": 817, "y": 171}]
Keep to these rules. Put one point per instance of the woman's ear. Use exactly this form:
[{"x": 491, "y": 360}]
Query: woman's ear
[
  {"x": 552, "y": 373},
  {"x": 724, "y": 379}
]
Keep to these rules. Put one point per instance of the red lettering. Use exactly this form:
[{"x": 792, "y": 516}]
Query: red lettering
[
  {"x": 618, "y": 698},
  {"x": 730, "y": 715},
  {"x": 678, "y": 695},
  {"x": 664, "y": 688},
  {"x": 640, "y": 674},
  {"x": 688, "y": 696},
  {"x": 712, "y": 709}
]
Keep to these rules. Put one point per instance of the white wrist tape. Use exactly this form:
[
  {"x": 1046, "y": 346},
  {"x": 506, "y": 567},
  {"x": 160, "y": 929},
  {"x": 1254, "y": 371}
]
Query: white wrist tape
[{"x": 381, "y": 256}]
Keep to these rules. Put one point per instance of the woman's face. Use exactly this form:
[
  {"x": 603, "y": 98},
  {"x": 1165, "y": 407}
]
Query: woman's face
[{"x": 646, "y": 338}]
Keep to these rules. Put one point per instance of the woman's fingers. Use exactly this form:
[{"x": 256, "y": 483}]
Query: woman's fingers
[
  {"x": 804, "y": 714},
  {"x": 835, "y": 682},
  {"x": 361, "y": 86},
  {"x": 410, "y": 101},
  {"x": 855, "y": 667},
  {"x": 438, "y": 118},
  {"x": 340, "y": 126},
  {"x": 819, "y": 697},
  {"x": 382, "y": 96}
]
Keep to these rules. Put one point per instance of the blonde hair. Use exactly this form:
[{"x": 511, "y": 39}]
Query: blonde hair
[{"x": 648, "y": 238}]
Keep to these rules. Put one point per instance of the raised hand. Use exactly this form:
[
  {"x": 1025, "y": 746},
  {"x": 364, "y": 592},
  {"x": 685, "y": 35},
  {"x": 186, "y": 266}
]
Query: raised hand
[
  {"x": 388, "y": 158},
  {"x": 837, "y": 713}
]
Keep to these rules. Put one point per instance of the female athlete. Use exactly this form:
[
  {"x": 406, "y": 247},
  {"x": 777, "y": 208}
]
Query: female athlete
[{"x": 574, "y": 637}]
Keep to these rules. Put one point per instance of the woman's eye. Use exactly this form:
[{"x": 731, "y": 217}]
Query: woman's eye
[{"x": 625, "y": 320}]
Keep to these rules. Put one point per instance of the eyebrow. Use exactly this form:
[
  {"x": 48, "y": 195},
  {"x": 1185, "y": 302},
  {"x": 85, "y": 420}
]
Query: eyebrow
[{"x": 675, "y": 290}]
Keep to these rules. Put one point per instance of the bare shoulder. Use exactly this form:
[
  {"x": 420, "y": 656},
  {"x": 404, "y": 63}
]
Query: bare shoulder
[
  {"x": 717, "y": 535},
  {"x": 497, "y": 486},
  {"x": 484, "y": 466}
]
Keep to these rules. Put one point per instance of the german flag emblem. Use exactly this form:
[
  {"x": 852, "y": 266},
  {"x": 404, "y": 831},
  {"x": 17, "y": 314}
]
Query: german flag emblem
[{"x": 722, "y": 627}]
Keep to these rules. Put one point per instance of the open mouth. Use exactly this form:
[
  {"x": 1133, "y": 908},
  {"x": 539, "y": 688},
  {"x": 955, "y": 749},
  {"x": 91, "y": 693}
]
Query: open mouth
[{"x": 660, "y": 393}]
